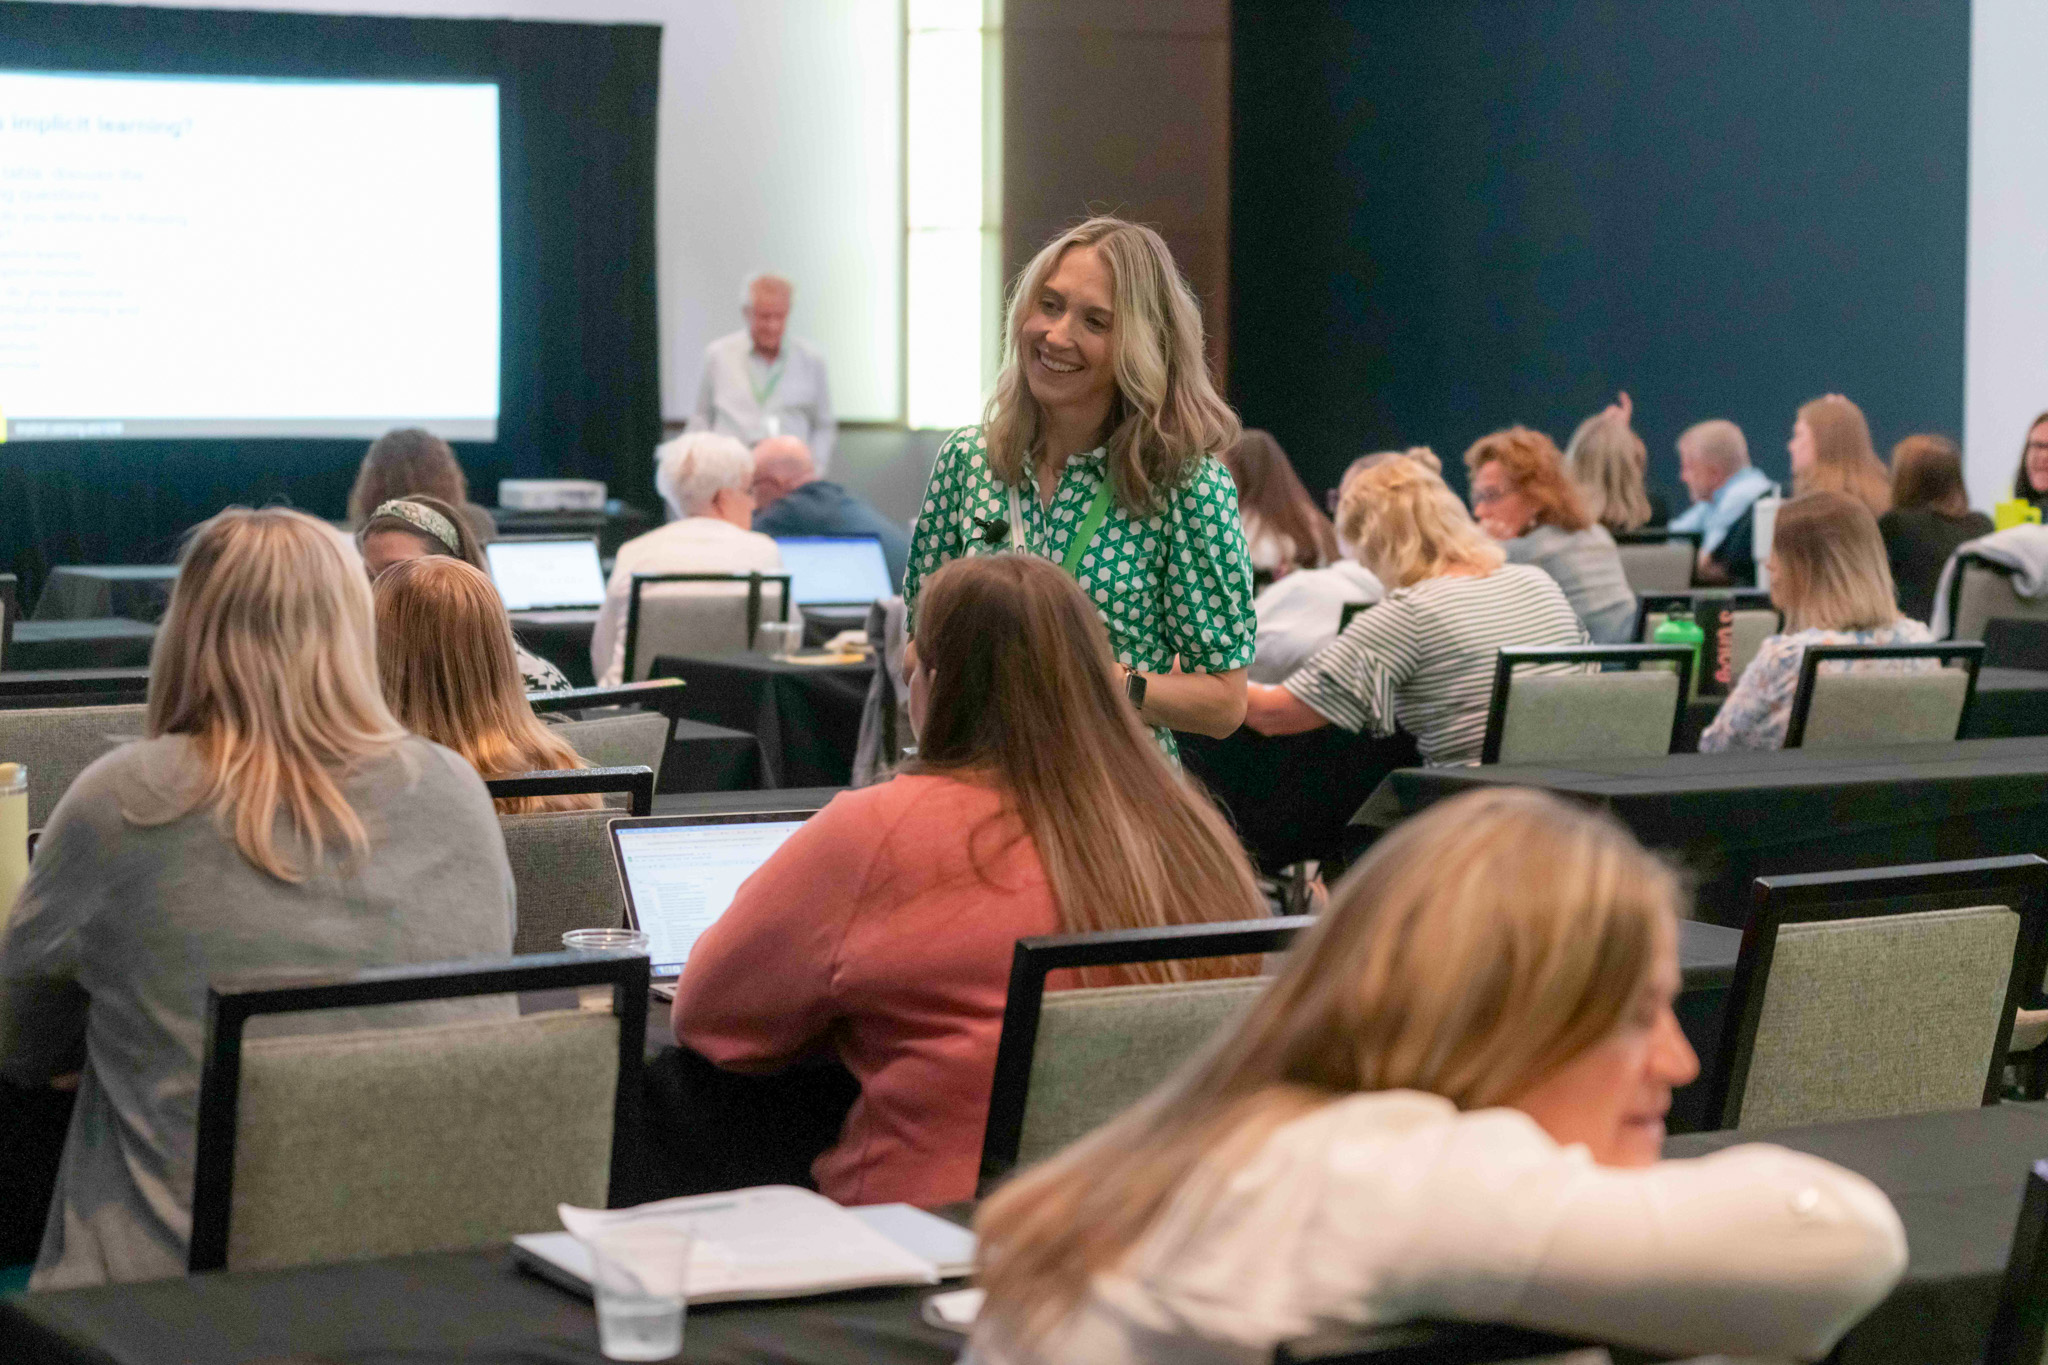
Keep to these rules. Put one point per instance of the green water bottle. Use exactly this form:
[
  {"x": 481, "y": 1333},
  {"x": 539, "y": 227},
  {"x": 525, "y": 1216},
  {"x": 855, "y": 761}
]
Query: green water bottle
[{"x": 1683, "y": 630}]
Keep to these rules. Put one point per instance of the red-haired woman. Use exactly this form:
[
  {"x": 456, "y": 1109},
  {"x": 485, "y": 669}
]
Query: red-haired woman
[{"x": 1523, "y": 498}]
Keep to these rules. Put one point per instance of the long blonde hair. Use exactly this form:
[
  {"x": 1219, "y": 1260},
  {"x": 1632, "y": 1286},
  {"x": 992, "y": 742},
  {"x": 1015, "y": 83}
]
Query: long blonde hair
[
  {"x": 1023, "y": 696},
  {"x": 1479, "y": 947},
  {"x": 1607, "y": 460},
  {"x": 444, "y": 653},
  {"x": 1405, "y": 524},
  {"x": 1831, "y": 572},
  {"x": 1843, "y": 459},
  {"x": 1167, "y": 415},
  {"x": 265, "y": 660}
]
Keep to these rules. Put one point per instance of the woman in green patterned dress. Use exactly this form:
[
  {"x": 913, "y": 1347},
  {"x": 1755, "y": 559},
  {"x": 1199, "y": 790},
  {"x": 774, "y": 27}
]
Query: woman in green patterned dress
[{"x": 1098, "y": 451}]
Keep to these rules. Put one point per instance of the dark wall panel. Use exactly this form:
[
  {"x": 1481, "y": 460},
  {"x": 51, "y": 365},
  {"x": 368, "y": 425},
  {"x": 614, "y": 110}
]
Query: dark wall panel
[{"x": 1450, "y": 215}]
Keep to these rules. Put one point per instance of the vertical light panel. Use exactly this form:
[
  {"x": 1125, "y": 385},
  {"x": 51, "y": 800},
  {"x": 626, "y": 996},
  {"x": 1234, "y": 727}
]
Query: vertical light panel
[{"x": 952, "y": 207}]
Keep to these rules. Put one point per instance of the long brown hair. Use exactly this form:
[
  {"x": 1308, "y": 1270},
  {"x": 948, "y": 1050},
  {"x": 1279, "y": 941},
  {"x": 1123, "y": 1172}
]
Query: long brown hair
[
  {"x": 1830, "y": 570},
  {"x": 1607, "y": 460},
  {"x": 444, "y": 653},
  {"x": 1479, "y": 947},
  {"x": 401, "y": 463},
  {"x": 1843, "y": 459},
  {"x": 1927, "y": 471},
  {"x": 1270, "y": 492},
  {"x": 1536, "y": 470},
  {"x": 265, "y": 660},
  {"x": 1023, "y": 697},
  {"x": 1167, "y": 414},
  {"x": 466, "y": 546},
  {"x": 2021, "y": 488}
]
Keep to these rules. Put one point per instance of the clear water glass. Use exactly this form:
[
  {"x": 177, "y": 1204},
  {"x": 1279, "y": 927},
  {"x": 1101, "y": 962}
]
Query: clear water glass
[
  {"x": 779, "y": 638},
  {"x": 640, "y": 1275},
  {"x": 598, "y": 999}
]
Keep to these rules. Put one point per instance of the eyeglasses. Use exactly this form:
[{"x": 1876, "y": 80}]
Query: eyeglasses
[{"x": 1482, "y": 496}]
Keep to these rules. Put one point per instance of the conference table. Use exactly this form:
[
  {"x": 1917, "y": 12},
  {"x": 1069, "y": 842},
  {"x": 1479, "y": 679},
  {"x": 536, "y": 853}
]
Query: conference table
[
  {"x": 83, "y": 592},
  {"x": 1732, "y": 817},
  {"x": 806, "y": 715},
  {"x": 1955, "y": 1178},
  {"x": 103, "y": 642}
]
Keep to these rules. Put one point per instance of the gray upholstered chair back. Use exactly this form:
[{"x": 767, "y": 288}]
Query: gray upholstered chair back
[
  {"x": 564, "y": 874},
  {"x": 60, "y": 742},
  {"x": 1558, "y": 717},
  {"x": 1984, "y": 593},
  {"x": 631, "y": 739},
  {"x": 1885, "y": 708},
  {"x": 697, "y": 619},
  {"x": 1657, "y": 566},
  {"x": 1099, "y": 1051},
  {"x": 398, "y": 1141},
  {"x": 1888, "y": 1014},
  {"x": 1748, "y": 628}
]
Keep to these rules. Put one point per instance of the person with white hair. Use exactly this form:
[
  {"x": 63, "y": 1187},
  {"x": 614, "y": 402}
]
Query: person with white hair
[
  {"x": 704, "y": 478},
  {"x": 758, "y": 382},
  {"x": 1713, "y": 463}
]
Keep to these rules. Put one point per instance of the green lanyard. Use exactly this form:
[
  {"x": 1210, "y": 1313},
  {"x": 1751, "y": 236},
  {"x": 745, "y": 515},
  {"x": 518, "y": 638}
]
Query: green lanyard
[
  {"x": 1084, "y": 534},
  {"x": 761, "y": 395}
]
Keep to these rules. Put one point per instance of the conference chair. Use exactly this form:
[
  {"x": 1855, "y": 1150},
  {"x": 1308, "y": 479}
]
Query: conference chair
[
  {"x": 636, "y": 783},
  {"x": 390, "y": 1141},
  {"x": 1980, "y": 591},
  {"x": 1068, "y": 1062},
  {"x": 610, "y": 726},
  {"x": 1750, "y": 620},
  {"x": 1445, "y": 1343},
  {"x": 58, "y": 743},
  {"x": 2019, "y": 1326},
  {"x": 1658, "y": 560},
  {"x": 562, "y": 867},
  {"x": 2012, "y": 643},
  {"x": 697, "y": 613},
  {"x": 1350, "y": 610},
  {"x": 1838, "y": 709},
  {"x": 51, "y": 687},
  {"x": 1629, "y": 707},
  {"x": 10, "y": 612},
  {"x": 1880, "y": 991}
]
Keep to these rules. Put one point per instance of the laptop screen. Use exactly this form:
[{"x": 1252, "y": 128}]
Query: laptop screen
[
  {"x": 680, "y": 873},
  {"x": 835, "y": 568},
  {"x": 539, "y": 575}
]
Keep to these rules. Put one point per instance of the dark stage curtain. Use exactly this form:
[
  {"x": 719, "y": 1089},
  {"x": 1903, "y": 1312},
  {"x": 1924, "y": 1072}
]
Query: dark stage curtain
[{"x": 580, "y": 354}]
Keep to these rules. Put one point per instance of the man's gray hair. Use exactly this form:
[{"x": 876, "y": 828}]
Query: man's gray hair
[
  {"x": 692, "y": 469},
  {"x": 759, "y": 278},
  {"x": 1719, "y": 442}
]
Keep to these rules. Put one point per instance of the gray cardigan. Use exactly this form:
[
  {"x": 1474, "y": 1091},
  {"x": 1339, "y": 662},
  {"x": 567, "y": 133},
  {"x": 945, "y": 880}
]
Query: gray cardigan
[
  {"x": 1587, "y": 566},
  {"x": 106, "y": 959}
]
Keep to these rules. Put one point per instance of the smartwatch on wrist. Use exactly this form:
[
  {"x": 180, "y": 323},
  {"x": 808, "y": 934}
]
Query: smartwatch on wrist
[{"x": 1134, "y": 687}]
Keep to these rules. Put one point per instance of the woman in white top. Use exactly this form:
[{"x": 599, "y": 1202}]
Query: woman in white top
[
  {"x": 1832, "y": 579},
  {"x": 1450, "y": 1105},
  {"x": 1422, "y": 660},
  {"x": 707, "y": 481}
]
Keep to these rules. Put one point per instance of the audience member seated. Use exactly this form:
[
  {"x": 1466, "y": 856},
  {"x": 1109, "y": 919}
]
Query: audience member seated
[
  {"x": 2030, "y": 481},
  {"x": 1448, "y": 1106},
  {"x": 1283, "y": 527},
  {"x": 1829, "y": 577},
  {"x": 1831, "y": 453},
  {"x": 1930, "y": 517},
  {"x": 444, "y": 655},
  {"x": 1422, "y": 660},
  {"x": 416, "y": 527},
  {"x": 1609, "y": 463},
  {"x": 1713, "y": 464},
  {"x": 704, "y": 478},
  {"x": 1522, "y": 498},
  {"x": 790, "y": 499},
  {"x": 275, "y": 815},
  {"x": 883, "y": 929},
  {"x": 400, "y": 464}
]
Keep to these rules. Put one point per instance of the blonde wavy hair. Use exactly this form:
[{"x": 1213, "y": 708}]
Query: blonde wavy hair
[
  {"x": 1829, "y": 568},
  {"x": 1477, "y": 949},
  {"x": 444, "y": 655},
  {"x": 1167, "y": 415},
  {"x": 1405, "y": 524},
  {"x": 266, "y": 661},
  {"x": 1607, "y": 460}
]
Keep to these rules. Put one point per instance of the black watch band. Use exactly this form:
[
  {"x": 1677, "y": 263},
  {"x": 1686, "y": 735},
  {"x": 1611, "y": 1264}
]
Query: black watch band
[{"x": 1134, "y": 687}]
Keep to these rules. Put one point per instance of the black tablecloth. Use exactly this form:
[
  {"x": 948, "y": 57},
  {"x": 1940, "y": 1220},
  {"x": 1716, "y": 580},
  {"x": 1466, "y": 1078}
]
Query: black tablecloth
[
  {"x": 710, "y": 758},
  {"x": 1736, "y": 816},
  {"x": 2010, "y": 702},
  {"x": 807, "y": 716},
  {"x": 562, "y": 638},
  {"x": 108, "y": 642},
  {"x": 1291, "y": 796}
]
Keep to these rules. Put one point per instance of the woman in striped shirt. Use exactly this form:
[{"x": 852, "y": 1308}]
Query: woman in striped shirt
[{"x": 1422, "y": 660}]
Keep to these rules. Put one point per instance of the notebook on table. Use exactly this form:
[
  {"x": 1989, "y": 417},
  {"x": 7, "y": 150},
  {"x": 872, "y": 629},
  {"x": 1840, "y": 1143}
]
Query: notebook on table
[{"x": 547, "y": 574}]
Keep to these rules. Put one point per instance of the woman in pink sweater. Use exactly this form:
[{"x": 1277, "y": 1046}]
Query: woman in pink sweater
[{"x": 883, "y": 929}]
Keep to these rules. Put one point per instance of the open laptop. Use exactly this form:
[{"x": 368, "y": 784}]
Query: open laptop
[
  {"x": 835, "y": 570},
  {"x": 546, "y": 575},
  {"x": 680, "y": 872}
]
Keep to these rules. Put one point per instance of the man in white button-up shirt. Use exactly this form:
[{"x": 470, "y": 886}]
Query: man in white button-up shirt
[{"x": 758, "y": 383}]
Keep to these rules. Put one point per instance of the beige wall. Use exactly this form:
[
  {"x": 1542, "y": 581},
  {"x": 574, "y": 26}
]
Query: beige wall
[{"x": 1121, "y": 106}]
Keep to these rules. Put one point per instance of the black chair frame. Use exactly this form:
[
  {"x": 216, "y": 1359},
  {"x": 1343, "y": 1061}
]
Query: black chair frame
[
  {"x": 665, "y": 695},
  {"x": 1813, "y": 897},
  {"x": 1687, "y": 603},
  {"x": 1351, "y": 609},
  {"x": 2019, "y": 1326},
  {"x": 10, "y": 611},
  {"x": 2016, "y": 642},
  {"x": 752, "y": 580},
  {"x": 1438, "y": 1343},
  {"x": 1966, "y": 561},
  {"x": 1658, "y": 535},
  {"x": 232, "y": 1001},
  {"x": 29, "y": 688},
  {"x": 636, "y": 781},
  {"x": 1971, "y": 652},
  {"x": 1035, "y": 958},
  {"x": 1507, "y": 660}
]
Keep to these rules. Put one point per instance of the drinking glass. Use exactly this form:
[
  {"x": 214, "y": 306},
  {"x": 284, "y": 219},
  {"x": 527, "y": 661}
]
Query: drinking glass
[
  {"x": 597, "y": 999},
  {"x": 640, "y": 1276},
  {"x": 779, "y": 637}
]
